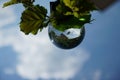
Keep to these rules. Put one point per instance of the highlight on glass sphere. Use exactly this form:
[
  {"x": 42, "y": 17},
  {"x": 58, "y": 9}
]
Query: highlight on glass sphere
[{"x": 68, "y": 39}]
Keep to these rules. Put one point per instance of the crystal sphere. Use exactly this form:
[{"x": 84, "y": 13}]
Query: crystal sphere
[{"x": 68, "y": 39}]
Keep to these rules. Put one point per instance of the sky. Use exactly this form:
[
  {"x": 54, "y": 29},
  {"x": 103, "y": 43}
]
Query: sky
[{"x": 34, "y": 57}]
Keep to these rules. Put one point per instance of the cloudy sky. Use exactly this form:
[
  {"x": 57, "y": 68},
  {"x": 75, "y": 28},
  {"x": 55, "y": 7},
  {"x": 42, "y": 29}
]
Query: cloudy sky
[{"x": 29, "y": 57}]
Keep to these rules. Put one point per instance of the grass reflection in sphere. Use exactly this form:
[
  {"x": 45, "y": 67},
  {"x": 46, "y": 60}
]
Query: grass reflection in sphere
[{"x": 68, "y": 39}]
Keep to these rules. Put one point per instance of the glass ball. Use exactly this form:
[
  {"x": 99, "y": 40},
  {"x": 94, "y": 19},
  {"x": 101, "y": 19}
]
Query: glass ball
[{"x": 68, "y": 39}]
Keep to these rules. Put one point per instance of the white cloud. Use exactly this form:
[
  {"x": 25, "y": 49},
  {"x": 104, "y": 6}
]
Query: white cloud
[
  {"x": 38, "y": 58},
  {"x": 97, "y": 75},
  {"x": 6, "y": 15},
  {"x": 52, "y": 64}
]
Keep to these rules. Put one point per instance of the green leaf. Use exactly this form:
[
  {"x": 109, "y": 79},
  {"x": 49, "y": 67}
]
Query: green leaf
[
  {"x": 33, "y": 19},
  {"x": 72, "y": 14},
  {"x": 12, "y": 2},
  {"x": 78, "y": 7},
  {"x": 67, "y": 22},
  {"x": 67, "y": 14},
  {"x": 85, "y": 18},
  {"x": 67, "y": 3}
]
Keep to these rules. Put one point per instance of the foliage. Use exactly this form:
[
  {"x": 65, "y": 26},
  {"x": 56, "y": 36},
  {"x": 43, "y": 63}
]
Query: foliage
[
  {"x": 24, "y": 2},
  {"x": 33, "y": 19},
  {"x": 66, "y": 14}
]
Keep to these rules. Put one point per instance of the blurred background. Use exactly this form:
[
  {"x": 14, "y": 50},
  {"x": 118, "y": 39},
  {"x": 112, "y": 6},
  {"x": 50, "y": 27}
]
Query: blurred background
[{"x": 29, "y": 57}]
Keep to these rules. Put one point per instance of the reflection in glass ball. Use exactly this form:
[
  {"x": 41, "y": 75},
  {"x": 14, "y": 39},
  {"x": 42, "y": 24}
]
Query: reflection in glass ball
[{"x": 68, "y": 39}]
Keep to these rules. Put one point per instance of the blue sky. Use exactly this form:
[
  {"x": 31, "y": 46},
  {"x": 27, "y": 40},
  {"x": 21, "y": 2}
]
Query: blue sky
[{"x": 29, "y": 57}]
